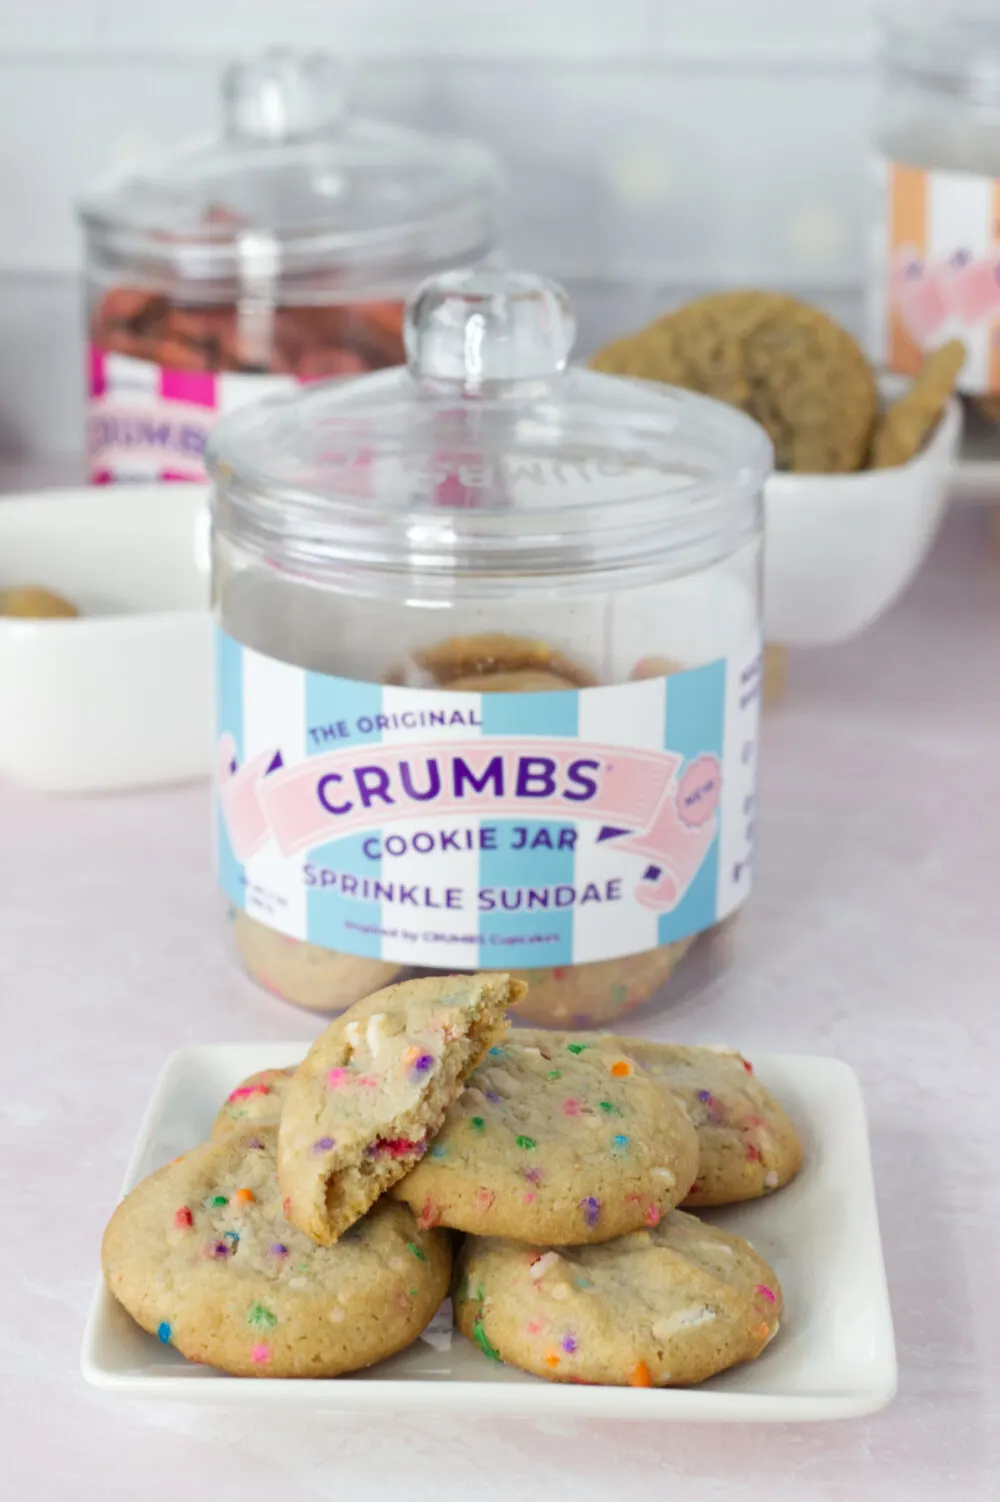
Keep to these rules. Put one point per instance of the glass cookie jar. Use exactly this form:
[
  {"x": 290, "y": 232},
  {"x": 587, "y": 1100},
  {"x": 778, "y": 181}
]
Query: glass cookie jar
[
  {"x": 488, "y": 665},
  {"x": 279, "y": 253},
  {"x": 934, "y": 269}
]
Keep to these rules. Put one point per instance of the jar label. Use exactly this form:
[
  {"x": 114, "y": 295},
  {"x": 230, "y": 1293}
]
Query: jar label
[
  {"x": 145, "y": 422},
  {"x": 936, "y": 273},
  {"x": 467, "y": 830}
]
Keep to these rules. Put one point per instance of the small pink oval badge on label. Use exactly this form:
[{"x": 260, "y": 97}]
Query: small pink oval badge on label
[{"x": 698, "y": 790}]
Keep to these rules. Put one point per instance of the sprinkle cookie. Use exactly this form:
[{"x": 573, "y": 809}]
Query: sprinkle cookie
[
  {"x": 201, "y": 1256},
  {"x": 747, "y": 1145},
  {"x": 256, "y": 1101},
  {"x": 558, "y": 1142},
  {"x": 321, "y": 980},
  {"x": 375, "y": 1087},
  {"x": 597, "y": 991},
  {"x": 664, "y": 1307}
]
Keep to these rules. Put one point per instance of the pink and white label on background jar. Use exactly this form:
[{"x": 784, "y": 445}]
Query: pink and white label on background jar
[
  {"x": 934, "y": 268},
  {"x": 936, "y": 271},
  {"x": 145, "y": 422}
]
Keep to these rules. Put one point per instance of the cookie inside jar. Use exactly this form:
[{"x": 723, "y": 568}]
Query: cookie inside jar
[
  {"x": 488, "y": 666},
  {"x": 585, "y": 994},
  {"x": 321, "y": 980}
]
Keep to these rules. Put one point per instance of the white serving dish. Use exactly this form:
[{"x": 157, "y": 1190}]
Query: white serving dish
[
  {"x": 840, "y": 549},
  {"x": 833, "y": 1358},
  {"x": 120, "y": 697}
]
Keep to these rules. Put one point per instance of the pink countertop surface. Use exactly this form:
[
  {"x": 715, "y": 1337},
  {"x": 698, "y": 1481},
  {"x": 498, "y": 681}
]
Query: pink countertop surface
[{"x": 873, "y": 934}]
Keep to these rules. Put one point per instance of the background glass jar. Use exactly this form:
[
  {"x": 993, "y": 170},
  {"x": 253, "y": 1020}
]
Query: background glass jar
[
  {"x": 489, "y": 666},
  {"x": 282, "y": 252},
  {"x": 934, "y": 270}
]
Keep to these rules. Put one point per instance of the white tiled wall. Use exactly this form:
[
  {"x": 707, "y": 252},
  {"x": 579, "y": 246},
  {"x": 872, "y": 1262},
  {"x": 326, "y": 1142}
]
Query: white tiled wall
[{"x": 652, "y": 146}]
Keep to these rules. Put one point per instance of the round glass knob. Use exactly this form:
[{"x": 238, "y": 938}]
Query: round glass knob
[
  {"x": 282, "y": 95},
  {"x": 475, "y": 329}
]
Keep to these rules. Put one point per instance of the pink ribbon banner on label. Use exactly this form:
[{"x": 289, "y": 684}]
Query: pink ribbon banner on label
[{"x": 635, "y": 797}]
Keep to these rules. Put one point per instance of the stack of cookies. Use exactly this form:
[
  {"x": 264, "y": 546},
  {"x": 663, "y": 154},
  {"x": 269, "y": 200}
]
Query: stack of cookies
[
  {"x": 798, "y": 373},
  {"x": 313, "y": 1234}
]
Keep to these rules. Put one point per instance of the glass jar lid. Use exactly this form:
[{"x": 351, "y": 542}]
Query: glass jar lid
[
  {"x": 488, "y": 455},
  {"x": 295, "y": 184},
  {"x": 951, "y": 46}
]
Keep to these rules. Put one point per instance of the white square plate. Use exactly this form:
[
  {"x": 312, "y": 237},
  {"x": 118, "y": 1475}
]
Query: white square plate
[{"x": 833, "y": 1358}]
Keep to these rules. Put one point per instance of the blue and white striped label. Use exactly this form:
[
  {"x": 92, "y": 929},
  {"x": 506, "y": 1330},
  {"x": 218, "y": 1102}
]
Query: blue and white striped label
[{"x": 465, "y": 830}]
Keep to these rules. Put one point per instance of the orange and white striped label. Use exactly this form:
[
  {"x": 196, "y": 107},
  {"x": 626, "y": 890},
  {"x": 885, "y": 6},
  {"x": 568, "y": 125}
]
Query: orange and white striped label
[{"x": 937, "y": 271}]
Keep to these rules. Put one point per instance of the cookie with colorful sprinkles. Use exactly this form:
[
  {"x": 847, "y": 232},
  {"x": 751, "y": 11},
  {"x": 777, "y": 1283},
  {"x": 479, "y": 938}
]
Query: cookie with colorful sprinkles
[
  {"x": 747, "y": 1143},
  {"x": 256, "y": 1101},
  {"x": 667, "y": 1306},
  {"x": 559, "y": 1142},
  {"x": 200, "y": 1254},
  {"x": 374, "y": 1089},
  {"x": 597, "y": 991},
  {"x": 321, "y": 980}
]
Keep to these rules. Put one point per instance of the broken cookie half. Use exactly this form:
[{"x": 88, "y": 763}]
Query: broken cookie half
[{"x": 374, "y": 1088}]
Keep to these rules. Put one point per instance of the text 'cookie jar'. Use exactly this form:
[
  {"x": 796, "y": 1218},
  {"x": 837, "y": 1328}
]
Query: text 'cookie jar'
[
  {"x": 278, "y": 253},
  {"x": 488, "y": 665}
]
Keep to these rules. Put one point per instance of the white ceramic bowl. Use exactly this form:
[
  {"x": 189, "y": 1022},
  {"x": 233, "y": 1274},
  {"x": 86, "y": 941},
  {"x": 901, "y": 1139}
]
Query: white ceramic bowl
[
  {"x": 840, "y": 549},
  {"x": 120, "y": 697}
]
